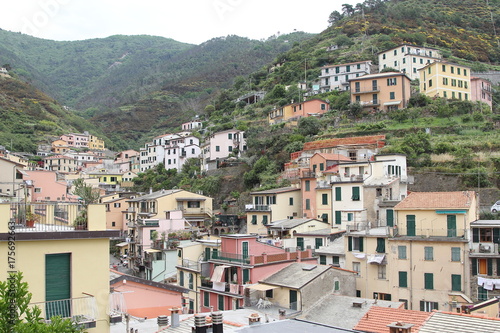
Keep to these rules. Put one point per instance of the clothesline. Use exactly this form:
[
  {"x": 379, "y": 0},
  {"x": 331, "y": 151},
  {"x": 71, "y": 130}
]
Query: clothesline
[{"x": 488, "y": 284}]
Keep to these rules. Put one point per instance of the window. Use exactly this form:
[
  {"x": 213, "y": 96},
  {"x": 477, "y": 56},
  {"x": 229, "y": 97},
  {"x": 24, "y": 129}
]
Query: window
[
  {"x": 38, "y": 190},
  {"x": 318, "y": 242},
  {"x": 452, "y": 69},
  {"x": 465, "y": 73},
  {"x": 348, "y": 68},
  {"x": 264, "y": 220},
  {"x": 380, "y": 245},
  {"x": 485, "y": 235},
  {"x": 402, "y": 252},
  {"x": 455, "y": 254},
  {"x": 392, "y": 95},
  {"x": 230, "y": 148},
  {"x": 322, "y": 259},
  {"x": 254, "y": 219},
  {"x": 181, "y": 278},
  {"x": 428, "y": 253},
  {"x": 58, "y": 283},
  {"x": 336, "y": 260},
  {"x": 308, "y": 185},
  {"x": 338, "y": 217},
  {"x": 117, "y": 205},
  {"x": 338, "y": 193},
  {"x": 300, "y": 243},
  {"x": 308, "y": 204},
  {"x": 206, "y": 299},
  {"x": 482, "y": 294},
  {"x": 430, "y": 83},
  {"x": 403, "y": 279},
  {"x": 383, "y": 56},
  {"x": 193, "y": 204},
  {"x": 355, "y": 243},
  {"x": 324, "y": 199},
  {"x": 390, "y": 217},
  {"x": 456, "y": 282},
  {"x": 428, "y": 306},
  {"x": 428, "y": 281},
  {"x": 337, "y": 70},
  {"x": 217, "y": 148},
  {"x": 230, "y": 136},
  {"x": 350, "y": 217},
  {"x": 410, "y": 225},
  {"x": 221, "y": 302},
  {"x": 290, "y": 201},
  {"x": 391, "y": 81},
  {"x": 356, "y": 266},
  {"x": 381, "y": 272},
  {"x": 321, "y": 167},
  {"x": 445, "y": 81},
  {"x": 395, "y": 63},
  {"x": 458, "y": 71},
  {"x": 269, "y": 293},
  {"x": 451, "y": 225},
  {"x": 190, "y": 280},
  {"x": 443, "y": 68},
  {"x": 336, "y": 285},
  {"x": 355, "y": 193}
]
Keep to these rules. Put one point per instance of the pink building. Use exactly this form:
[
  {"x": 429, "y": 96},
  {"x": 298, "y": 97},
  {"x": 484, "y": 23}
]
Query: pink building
[
  {"x": 220, "y": 145},
  {"x": 174, "y": 221},
  {"x": 243, "y": 260},
  {"x": 144, "y": 298},
  {"x": 77, "y": 140},
  {"x": 481, "y": 90},
  {"x": 43, "y": 186}
]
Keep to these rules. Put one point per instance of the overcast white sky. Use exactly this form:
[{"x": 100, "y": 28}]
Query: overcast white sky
[{"x": 189, "y": 21}]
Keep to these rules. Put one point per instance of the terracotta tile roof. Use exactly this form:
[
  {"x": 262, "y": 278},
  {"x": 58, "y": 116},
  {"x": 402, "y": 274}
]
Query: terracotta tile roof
[
  {"x": 377, "y": 319},
  {"x": 379, "y": 140},
  {"x": 334, "y": 157},
  {"x": 433, "y": 200}
]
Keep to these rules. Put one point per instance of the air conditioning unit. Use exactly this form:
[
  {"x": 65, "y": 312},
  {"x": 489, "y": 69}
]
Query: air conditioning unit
[{"x": 484, "y": 248}]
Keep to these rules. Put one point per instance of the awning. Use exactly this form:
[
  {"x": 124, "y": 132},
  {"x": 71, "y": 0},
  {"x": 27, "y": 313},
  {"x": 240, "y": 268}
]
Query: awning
[
  {"x": 151, "y": 250},
  {"x": 218, "y": 272},
  {"x": 376, "y": 258},
  {"x": 262, "y": 287},
  {"x": 122, "y": 244},
  {"x": 393, "y": 103}
]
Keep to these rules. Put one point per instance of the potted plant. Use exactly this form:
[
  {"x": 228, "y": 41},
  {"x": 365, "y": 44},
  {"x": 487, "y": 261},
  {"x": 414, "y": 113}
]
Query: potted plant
[
  {"x": 80, "y": 222},
  {"x": 31, "y": 218}
]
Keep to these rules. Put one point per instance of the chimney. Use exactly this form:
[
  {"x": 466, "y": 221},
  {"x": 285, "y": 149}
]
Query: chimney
[
  {"x": 199, "y": 323},
  {"x": 175, "y": 317},
  {"x": 254, "y": 319},
  {"x": 162, "y": 321},
  {"x": 399, "y": 327},
  {"x": 282, "y": 314},
  {"x": 217, "y": 322}
]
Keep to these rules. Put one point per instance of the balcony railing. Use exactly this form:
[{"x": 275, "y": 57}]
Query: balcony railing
[
  {"x": 194, "y": 265},
  {"x": 46, "y": 217},
  {"x": 231, "y": 257},
  {"x": 260, "y": 208},
  {"x": 82, "y": 310},
  {"x": 365, "y": 90}
]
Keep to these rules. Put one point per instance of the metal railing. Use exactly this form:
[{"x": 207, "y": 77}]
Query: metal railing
[
  {"x": 231, "y": 257},
  {"x": 194, "y": 265},
  {"x": 257, "y": 207},
  {"x": 81, "y": 310},
  {"x": 36, "y": 217}
]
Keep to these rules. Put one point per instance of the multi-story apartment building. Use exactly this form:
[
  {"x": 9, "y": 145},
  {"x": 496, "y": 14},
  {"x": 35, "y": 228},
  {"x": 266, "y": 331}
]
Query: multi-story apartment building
[
  {"x": 95, "y": 143},
  {"x": 408, "y": 58},
  {"x": 60, "y": 163},
  {"x": 295, "y": 111},
  {"x": 381, "y": 92},
  {"x": 481, "y": 90},
  {"x": 447, "y": 80},
  {"x": 336, "y": 77},
  {"x": 484, "y": 257},
  {"x": 76, "y": 140},
  {"x": 272, "y": 205},
  {"x": 241, "y": 262},
  {"x": 422, "y": 259},
  {"x": 43, "y": 186},
  {"x": 192, "y": 125},
  {"x": 221, "y": 145},
  {"x": 67, "y": 270}
]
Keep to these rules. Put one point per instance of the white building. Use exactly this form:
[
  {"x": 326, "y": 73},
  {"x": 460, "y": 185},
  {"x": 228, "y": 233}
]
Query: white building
[
  {"x": 336, "y": 77},
  {"x": 221, "y": 145}
]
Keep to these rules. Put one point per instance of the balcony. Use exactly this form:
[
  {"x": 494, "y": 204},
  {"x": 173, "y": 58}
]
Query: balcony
[
  {"x": 189, "y": 264},
  {"x": 149, "y": 223},
  {"x": 484, "y": 249},
  {"x": 261, "y": 259},
  {"x": 346, "y": 179},
  {"x": 83, "y": 310},
  {"x": 257, "y": 208},
  {"x": 46, "y": 217},
  {"x": 229, "y": 288},
  {"x": 308, "y": 174},
  {"x": 367, "y": 90},
  {"x": 231, "y": 257}
]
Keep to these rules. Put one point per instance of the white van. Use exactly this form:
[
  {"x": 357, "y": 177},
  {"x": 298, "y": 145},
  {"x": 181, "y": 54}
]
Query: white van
[{"x": 496, "y": 207}]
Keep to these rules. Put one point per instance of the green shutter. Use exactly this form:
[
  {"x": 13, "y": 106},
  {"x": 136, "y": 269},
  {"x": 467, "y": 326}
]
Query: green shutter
[
  {"x": 428, "y": 280},
  {"x": 264, "y": 220},
  {"x": 215, "y": 254},
  {"x": 475, "y": 235},
  {"x": 451, "y": 221},
  {"x": 300, "y": 243},
  {"x": 322, "y": 259},
  {"x": 360, "y": 244},
  {"x": 318, "y": 243},
  {"x": 456, "y": 282},
  {"x": 338, "y": 193},
  {"x": 355, "y": 193},
  {"x": 58, "y": 284},
  {"x": 324, "y": 217},
  {"x": 181, "y": 278},
  {"x": 403, "y": 279},
  {"x": 324, "y": 199},
  {"x": 390, "y": 217},
  {"x": 206, "y": 299},
  {"x": 254, "y": 219},
  {"x": 221, "y": 302},
  {"x": 349, "y": 243},
  {"x": 490, "y": 266},
  {"x": 410, "y": 225},
  {"x": 246, "y": 275},
  {"x": 496, "y": 235},
  {"x": 498, "y": 267},
  {"x": 474, "y": 266},
  {"x": 207, "y": 254},
  {"x": 380, "y": 245},
  {"x": 321, "y": 167},
  {"x": 338, "y": 217}
]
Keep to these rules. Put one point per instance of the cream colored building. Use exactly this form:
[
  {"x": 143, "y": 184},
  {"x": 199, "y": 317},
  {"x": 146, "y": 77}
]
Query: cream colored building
[
  {"x": 447, "y": 80},
  {"x": 422, "y": 259},
  {"x": 67, "y": 270},
  {"x": 408, "y": 58},
  {"x": 272, "y": 205},
  {"x": 95, "y": 143}
]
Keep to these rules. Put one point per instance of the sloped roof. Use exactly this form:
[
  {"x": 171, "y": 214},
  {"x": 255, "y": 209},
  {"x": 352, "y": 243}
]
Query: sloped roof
[
  {"x": 154, "y": 195},
  {"x": 290, "y": 223},
  {"x": 377, "y": 319},
  {"x": 357, "y": 140},
  {"x": 334, "y": 157},
  {"x": 460, "y": 323},
  {"x": 435, "y": 200},
  {"x": 295, "y": 276},
  {"x": 277, "y": 190}
]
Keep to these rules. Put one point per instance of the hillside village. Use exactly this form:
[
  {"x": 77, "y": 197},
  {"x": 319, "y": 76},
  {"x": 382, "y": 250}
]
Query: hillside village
[{"x": 345, "y": 245}]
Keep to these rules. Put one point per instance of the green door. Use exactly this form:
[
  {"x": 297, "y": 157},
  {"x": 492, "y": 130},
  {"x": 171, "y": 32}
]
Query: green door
[
  {"x": 390, "y": 217},
  {"x": 452, "y": 225},
  {"x": 410, "y": 225},
  {"x": 207, "y": 254},
  {"x": 293, "y": 299},
  {"x": 58, "y": 285},
  {"x": 245, "y": 250},
  {"x": 246, "y": 275},
  {"x": 300, "y": 243}
]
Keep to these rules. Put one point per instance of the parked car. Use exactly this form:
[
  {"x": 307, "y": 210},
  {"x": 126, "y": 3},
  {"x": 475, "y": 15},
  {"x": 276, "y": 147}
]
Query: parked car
[{"x": 496, "y": 207}]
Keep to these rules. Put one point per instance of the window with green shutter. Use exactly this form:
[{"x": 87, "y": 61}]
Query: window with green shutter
[
  {"x": 254, "y": 219},
  {"x": 338, "y": 217},
  {"x": 355, "y": 193},
  {"x": 321, "y": 167},
  {"x": 337, "y": 285},
  {"x": 264, "y": 220},
  {"x": 428, "y": 253},
  {"x": 324, "y": 199},
  {"x": 410, "y": 225},
  {"x": 181, "y": 278},
  {"x": 58, "y": 284},
  {"x": 380, "y": 245},
  {"x": 455, "y": 254},
  {"x": 456, "y": 282},
  {"x": 482, "y": 294},
  {"x": 300, "y": 243},
  {"x": 324, "y": 217},
  {"x": 338, "y": 194},
  {"x": 322, "y": 259},
  {"x": 429, "y": 281},
  {"x": 403, "y": 279},
  {"x": 308, "y": 185},
  {"x": 290, "y": 201},
  {"x": 206, "y": 299},
  {"x": 318, "y": 242},
  {"x": 451, "y": 221},
  {"x": 402, "y": 252},
  {"x": 490, "y": 266},
  {"x": 475, "y": 235},
  {"x": 390, "y": 217},
  {"x": 308, "y": 204},
  {"x": 246, "y": 275},
  {"x": 221, "y": 302}
]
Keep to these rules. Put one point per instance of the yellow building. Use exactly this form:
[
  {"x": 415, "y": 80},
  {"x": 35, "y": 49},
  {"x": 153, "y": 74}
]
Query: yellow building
[
  {"x": 272, "y": 205},
  {"x": 422, "y": 259},
  {"x": 67, "y": 270},
  {"x": 447, "y": 80},
  {"x": 382, "y": 91},
  {"x": 95, "y": 143}
]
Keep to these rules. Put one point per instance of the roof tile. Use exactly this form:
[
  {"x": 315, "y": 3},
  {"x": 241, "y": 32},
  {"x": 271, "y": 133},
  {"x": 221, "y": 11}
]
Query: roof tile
[{"x": 377, "y": 319}]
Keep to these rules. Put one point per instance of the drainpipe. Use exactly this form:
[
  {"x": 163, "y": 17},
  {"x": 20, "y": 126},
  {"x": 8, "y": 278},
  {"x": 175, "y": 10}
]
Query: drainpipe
[{"x": 411, "y": 275}]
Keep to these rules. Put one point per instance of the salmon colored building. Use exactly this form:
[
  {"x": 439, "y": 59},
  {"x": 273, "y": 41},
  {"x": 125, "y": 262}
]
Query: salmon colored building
[{"x": 295, "y": 111}]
